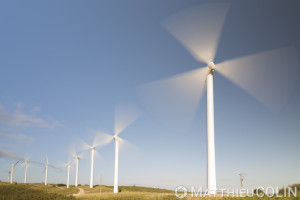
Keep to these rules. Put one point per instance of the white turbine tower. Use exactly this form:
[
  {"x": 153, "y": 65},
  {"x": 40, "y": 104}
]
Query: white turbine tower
[
  {"x": 174, "y": 100},
  {"x": 68, "y": 179},
  {"x": 116, "y": 176},
  {"x": 46, "y": 170},
  {"x": 77, "y": 166},
  {"x": 92, "y": 166}
]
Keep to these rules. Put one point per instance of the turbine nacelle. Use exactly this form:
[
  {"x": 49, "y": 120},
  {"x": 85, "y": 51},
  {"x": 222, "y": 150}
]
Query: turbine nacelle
[
  {"x": 117, "y": 139},
  {"x": 77, "y": 157},
  {"x": 211, "y": 66}
]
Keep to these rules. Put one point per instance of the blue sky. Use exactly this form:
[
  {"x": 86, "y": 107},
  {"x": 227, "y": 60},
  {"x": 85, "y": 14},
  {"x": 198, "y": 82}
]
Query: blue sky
[{"x": 66, "y": 64}]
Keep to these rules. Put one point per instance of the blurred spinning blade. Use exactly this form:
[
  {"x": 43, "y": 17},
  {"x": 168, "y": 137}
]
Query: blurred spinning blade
[
  {"x": 269, "y": 76},
  {"x": 174, "y": 100},
  {"x": 124, "y": 116},
  {"x": 9, "y": 155},
  {"x": 198, "y": 29},
  {"x": 81, "y": 145},
  {"x": 35, "y": 162},
  {"x": 102, "y": 139},
  {"x": 72, "y": 152}
]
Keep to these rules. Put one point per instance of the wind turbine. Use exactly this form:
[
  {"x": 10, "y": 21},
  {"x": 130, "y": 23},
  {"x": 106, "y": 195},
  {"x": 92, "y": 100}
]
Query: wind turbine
[
  {"x": 11, "y": 155},
  {"x": 92, "y": 148},
  {"x": 125, "y": 115},
  {"x": 47, "y": 165},
  {"x": 8, "y": 179},
  {"x": 76, "y": 158},
  {"x": 25, "y": 164},
  {"x": 68, "y": 165},
  {"x": 106, "y": 139},
  {"x": 46, "y": 170},
  {"x": 174, "y": 100},
  {"x": 13, "y": 171}
]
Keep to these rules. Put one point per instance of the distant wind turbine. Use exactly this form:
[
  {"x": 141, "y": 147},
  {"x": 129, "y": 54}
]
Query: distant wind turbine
[
  {"x": 268, "y": 76},
  {"x": 8, "y": 179},
  {"x": 14, "y": 156},
  {"x": 46, "y": 170},
  {"x": 47, "y": 165},
  {"x": 77, "y": 158},
  {"x": 26, "y": 165},
  {"x": 68, "y": 165},
  {"x": 92, "y": 148},
  {"x": 13, "y": 166}
]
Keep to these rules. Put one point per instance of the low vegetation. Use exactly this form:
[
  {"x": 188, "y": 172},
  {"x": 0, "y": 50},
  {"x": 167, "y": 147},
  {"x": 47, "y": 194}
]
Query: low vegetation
[
  {"x": 38, "y": 191},
  {"x": 33, "y": 192}
]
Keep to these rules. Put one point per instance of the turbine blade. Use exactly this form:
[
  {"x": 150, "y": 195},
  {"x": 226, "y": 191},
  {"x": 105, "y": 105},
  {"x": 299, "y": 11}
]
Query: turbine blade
[
  {"x": 268, "y": 76},
  {"x": 125, "y": 146},
  {"x": 102, "y": 139},
  {"x": 72, "y": 152},
  {"x": 35, "y": 162},
  {"x": 128, "y": 151},
  {"x": 198, "y": 29},
  {"x": 54, "y": 167},
  {"x": 174, "y": 101},
  {"x": 81, "y": 145},
  {"x": 97, "y": 154},
  {"x": 9, "y": 155},
  {"x": 125, "y": 115}
]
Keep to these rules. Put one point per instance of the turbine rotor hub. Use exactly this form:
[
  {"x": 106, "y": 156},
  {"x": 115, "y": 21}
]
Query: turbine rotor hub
[
  {"x": 117, "y": 139},
  {"x": 211, "y": 66}
]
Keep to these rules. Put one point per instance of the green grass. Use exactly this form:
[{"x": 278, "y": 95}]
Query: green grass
[
  {"x": 31, "y": 192},
  {"x": 38, "y": 191},
  {"x": 143, "y": 189}
]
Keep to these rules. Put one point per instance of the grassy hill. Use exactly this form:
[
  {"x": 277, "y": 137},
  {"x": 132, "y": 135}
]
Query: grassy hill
[
  {"x": 38, "y": 191},
  {"x": 34, "y": 191}
]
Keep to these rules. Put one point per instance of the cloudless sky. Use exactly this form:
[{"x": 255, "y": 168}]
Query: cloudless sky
[{"x": 66, "y": 64}]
